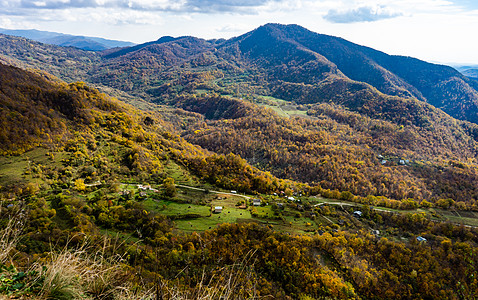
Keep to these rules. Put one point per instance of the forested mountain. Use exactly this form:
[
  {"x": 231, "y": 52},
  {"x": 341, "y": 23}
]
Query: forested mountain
[
  {"x": 279, "y": 57},
  {"x": 469, "y": 71},
  {"x": 67, "y": 40},
  {"x": 348, "y": 105},
  {"x": 366, "y": 189}
]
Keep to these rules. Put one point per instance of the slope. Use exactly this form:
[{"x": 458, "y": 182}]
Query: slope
[{"x": 95, "y": 130}]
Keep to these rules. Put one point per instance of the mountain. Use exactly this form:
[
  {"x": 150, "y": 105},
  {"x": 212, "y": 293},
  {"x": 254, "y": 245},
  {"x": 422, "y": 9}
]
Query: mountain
[
  {"x": 302, "y": 106},
  {"x": 51, "y": 114},
  {"x": 363, "y": 194},
  {"x": 469, "y": 71},
  {"x": 287, "y": 53},
  {"x": 66, "y": 40},
  {"x": 441, "y": 86}
]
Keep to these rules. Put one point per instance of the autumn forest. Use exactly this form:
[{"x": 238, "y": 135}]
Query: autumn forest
[{"x": 279, "y": 164}]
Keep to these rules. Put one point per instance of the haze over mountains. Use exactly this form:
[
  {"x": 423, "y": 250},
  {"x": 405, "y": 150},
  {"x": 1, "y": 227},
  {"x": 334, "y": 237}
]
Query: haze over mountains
[{"x": 67, "y": 40}]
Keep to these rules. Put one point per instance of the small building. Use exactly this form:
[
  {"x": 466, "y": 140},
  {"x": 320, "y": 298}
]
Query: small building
[
  {"x": 421, "y": 239},
  {"x": 280, "y": 205},
  {"x": 256, "y": 202},
  {"x": 402, "y": 162},
  {"x": 384, "y": 162},
  {"x": 376, "y": 232},
  {"x": 143, "y": 194},
  {"x": 358, "y": 213},
  {"x": 291, "y": 198},
  {"x": 218, "y": 209},
  {"x": 233, "y": 192}
]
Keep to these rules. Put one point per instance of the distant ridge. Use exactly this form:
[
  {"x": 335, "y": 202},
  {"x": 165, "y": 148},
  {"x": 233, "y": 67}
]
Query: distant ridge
[
  {"x": 66, "y": 40},
  {"x": 468, "y": 71}
]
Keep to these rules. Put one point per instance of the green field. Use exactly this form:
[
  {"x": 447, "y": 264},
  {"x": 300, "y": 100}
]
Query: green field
[{"x": 20, "y": 168}]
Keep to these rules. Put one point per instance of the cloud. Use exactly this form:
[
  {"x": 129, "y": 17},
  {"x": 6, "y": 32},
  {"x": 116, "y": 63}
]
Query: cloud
[
  {"x": 181, "y": 6},
  {"x": 466, "y": 4},
  {"x": 232, "y": 28},
  {"x": 208, "y": 6},
  {"x": 360, "y": 14}
]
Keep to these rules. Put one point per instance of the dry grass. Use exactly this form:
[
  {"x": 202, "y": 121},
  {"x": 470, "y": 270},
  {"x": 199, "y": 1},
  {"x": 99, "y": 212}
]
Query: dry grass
[
  {"x": 82, "y": 273},
  {"x": 9, "y": 237},
  {"x": 78, "y": 274},
  {"x": 231, "y": 282}
]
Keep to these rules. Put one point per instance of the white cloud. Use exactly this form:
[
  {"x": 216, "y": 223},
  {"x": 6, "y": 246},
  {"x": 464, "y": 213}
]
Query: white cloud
[
  {"x": 439, "y": 30},
  {"x": 360, "y": 14}
]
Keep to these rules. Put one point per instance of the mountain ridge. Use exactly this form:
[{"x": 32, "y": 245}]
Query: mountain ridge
[
  {"x": 67, "y": 40},
  {"x": 290, "y": 53}
]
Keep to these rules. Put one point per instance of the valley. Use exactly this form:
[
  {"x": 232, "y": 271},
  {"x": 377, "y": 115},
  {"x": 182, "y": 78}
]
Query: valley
[{"x": 279, "y": 164}]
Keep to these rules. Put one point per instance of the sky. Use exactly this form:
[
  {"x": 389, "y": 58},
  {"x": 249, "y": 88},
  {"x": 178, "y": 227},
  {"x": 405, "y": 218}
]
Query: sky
[{"x": 442, "y": 31}]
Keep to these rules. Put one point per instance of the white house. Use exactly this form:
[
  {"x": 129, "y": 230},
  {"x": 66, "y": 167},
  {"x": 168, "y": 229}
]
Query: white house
[{"x": 421, "y": 239}]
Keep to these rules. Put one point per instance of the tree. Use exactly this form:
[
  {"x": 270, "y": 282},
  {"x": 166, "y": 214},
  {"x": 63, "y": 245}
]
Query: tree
[
  {"x": 80, "y": 185},
  {"x": 169, "y": 188}
]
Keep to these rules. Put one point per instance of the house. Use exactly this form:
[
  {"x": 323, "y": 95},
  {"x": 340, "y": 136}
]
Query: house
[
  {"x": 143, "y": 194},
  {"x": 421, "y": 239},
  {"x": 233, "y": 192},
  {"x": 376, "y": 232},
  {"x": 358, "y": 213},
  {"x": 218, "y": 209},
  {"x": 256, "y": 202},
  {"x": 291, "y": 198},
  {"x": 384, "y": 162},
  {"x": 402, "y": 162}
]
